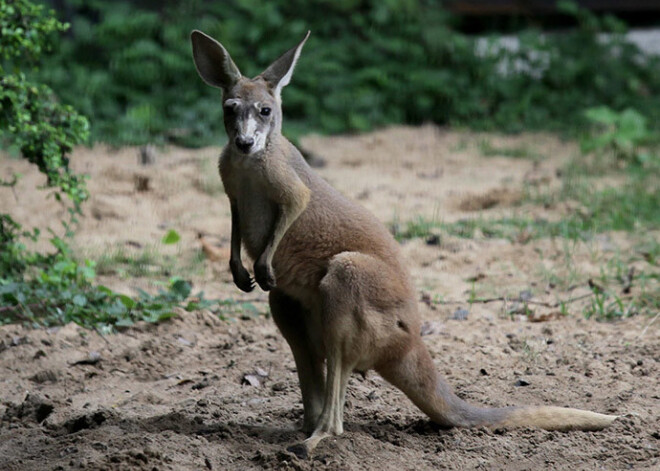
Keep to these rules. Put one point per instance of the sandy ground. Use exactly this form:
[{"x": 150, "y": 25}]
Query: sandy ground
[{"x": 203, "y": 393}]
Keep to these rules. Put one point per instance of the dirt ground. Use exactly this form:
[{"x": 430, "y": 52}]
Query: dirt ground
[{"x": 204, "y": 393}]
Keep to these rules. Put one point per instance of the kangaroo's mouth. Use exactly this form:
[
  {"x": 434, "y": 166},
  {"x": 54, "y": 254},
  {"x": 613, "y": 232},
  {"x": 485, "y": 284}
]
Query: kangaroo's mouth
[
  {"x": 244, "y": 144},
  {"x": 244, "y": 149}
]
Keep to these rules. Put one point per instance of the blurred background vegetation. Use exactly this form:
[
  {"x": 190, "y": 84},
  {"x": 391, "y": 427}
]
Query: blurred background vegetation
[
  {"x": 121, "y": 73},
  {"x": 127, "y": 67}
]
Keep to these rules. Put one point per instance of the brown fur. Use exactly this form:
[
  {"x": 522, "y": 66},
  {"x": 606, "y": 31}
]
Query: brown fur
[{"x": 339, "y": 289}]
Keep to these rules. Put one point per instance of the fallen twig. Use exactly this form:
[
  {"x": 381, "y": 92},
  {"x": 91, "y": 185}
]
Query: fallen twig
[
  {"x": 98, "y": 331},
  {"x": 259, "y": 299},
  {"x": 518, "y": 300},
  {"x": 655, "y": 318}
]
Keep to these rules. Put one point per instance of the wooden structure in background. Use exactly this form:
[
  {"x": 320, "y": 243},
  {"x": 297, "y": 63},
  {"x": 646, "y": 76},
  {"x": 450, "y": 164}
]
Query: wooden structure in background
[{"x": 547, "y": 7}]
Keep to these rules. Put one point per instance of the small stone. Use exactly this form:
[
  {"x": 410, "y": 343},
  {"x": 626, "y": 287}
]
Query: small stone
[
  {"x": 261, "y": 372},
  {"x": 460, "y": 314},
  {"x": 16, "y": 341},
  {"x": 430, "y": 328},
  {"x": 39, "y": 354},
  {"x": 252, "y": 380},
  {"x": 92, "y": 359},
  {"x": 183, "y": 341},
  {"x": 433, "y": 239},
  {"x": 278, "y": 386},
  {"x": 522, "y": 382},
  {"x": 44, "y": 376},
  {"x": 201, "y": 385}
]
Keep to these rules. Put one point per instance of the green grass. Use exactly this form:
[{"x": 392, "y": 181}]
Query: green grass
[
  {"x": 586, "y": 208},
  {"x": 563, "y": 272},
  {"x": 517, "y": 152},
  {"x": 635, "y": 206},
  {"x": 614, "y": 296},
  {"x": 148, "y": 262}
]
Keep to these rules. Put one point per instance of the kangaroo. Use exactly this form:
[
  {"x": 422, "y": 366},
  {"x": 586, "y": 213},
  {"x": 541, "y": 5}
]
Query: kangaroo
[{"x": 339, "y": 290}]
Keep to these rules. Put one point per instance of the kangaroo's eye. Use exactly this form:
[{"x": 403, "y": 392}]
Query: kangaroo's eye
[{"x": 265, "y": 111}]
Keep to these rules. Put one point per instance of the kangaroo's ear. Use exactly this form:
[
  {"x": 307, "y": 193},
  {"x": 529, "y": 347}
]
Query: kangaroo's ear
[
  {"x": 213, "y": 62},
  {"x": 278, "y": 74}
]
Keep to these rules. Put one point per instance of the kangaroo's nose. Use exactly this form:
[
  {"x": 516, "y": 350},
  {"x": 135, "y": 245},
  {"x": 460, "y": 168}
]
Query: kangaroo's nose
[{"x": 244, "y": 143}]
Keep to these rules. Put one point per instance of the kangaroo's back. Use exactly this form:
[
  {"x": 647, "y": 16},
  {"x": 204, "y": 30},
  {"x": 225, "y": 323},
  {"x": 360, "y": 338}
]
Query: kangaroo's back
[{"x": 330, "y": 224}]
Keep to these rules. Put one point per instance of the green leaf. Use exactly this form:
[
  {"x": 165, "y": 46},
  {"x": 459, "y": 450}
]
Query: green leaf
[
  {"x": 127, "y": 301},
  {"x": 88, "y": 273},
  {"x": 125, "y": 322},
  {"x": 181, "y": 289},
  {"x": 602, "y": 115},
  {"x": 172, "y": 237},
  {"x": 80, "y": 300},
  {"x": 166, "y": 315},
  {"x": 105, "y": 290}
]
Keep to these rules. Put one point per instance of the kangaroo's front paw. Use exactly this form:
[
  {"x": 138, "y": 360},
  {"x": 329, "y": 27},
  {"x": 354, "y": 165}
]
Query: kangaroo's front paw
[
  {"x": 264, "y": 275},
  {"x": 242, "y": 278}
]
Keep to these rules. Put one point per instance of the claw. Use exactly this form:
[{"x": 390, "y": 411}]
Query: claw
[
  {"x": 263, "y": 274},
  {"x": 242, "y": 278}
]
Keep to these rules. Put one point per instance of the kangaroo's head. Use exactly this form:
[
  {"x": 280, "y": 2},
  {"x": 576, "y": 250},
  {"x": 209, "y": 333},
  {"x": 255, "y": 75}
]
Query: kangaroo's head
[{"x": 252, "y": 107}]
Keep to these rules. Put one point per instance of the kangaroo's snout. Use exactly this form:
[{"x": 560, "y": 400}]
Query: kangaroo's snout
[{"x": 244, "y": 143}]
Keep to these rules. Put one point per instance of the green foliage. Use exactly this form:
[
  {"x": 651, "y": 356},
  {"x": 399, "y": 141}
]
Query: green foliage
[
  {"x": 607, "y": 306},
  {"x": 31, "y": 118},
  {"x": 147, "y": 262},
  {"x": 44, "y": 131},
  {"x": 611, "y": 302},
  {"x": 13, "y": 258},
  {"x": 368, "y": 63},
  {"x": 172, "y": 237},
  {"x": 521, "y": 152},
  {"x": 26, "y": 32},
  {"x": 51, "y": 289},
  {"x": 635, "y": 206},
  {"x": 55, "y": 289},
  {"x": 621, "y": 134}
]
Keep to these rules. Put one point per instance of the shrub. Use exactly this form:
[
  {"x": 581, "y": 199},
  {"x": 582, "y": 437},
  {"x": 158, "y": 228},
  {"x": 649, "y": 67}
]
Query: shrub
[
  {"x": 53, "y": 288},
  {"x": 368, "y": 63},
  {"x": 31, "y": 118}
]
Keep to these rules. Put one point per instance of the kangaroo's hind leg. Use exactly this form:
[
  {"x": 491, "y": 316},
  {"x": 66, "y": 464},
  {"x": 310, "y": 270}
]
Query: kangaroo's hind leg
[
  {"x": 290, "y": 317},
  {"x": 356, "y": 317}
]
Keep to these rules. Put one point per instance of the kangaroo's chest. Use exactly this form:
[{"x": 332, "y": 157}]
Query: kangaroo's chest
[{"x": 256, "y": 217}]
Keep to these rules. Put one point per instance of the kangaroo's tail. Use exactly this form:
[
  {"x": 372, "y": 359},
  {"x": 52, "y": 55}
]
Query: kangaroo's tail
[{"x": 415, "y": 375}]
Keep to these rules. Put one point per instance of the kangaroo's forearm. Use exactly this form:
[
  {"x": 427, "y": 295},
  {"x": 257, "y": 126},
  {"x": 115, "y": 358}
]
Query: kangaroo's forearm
[
  {"x": 235, "y": 257},
  {"x": 291, "y": 196},
  {"x": 242, "y": 278},
  {"x": 289, "y": 208}
]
